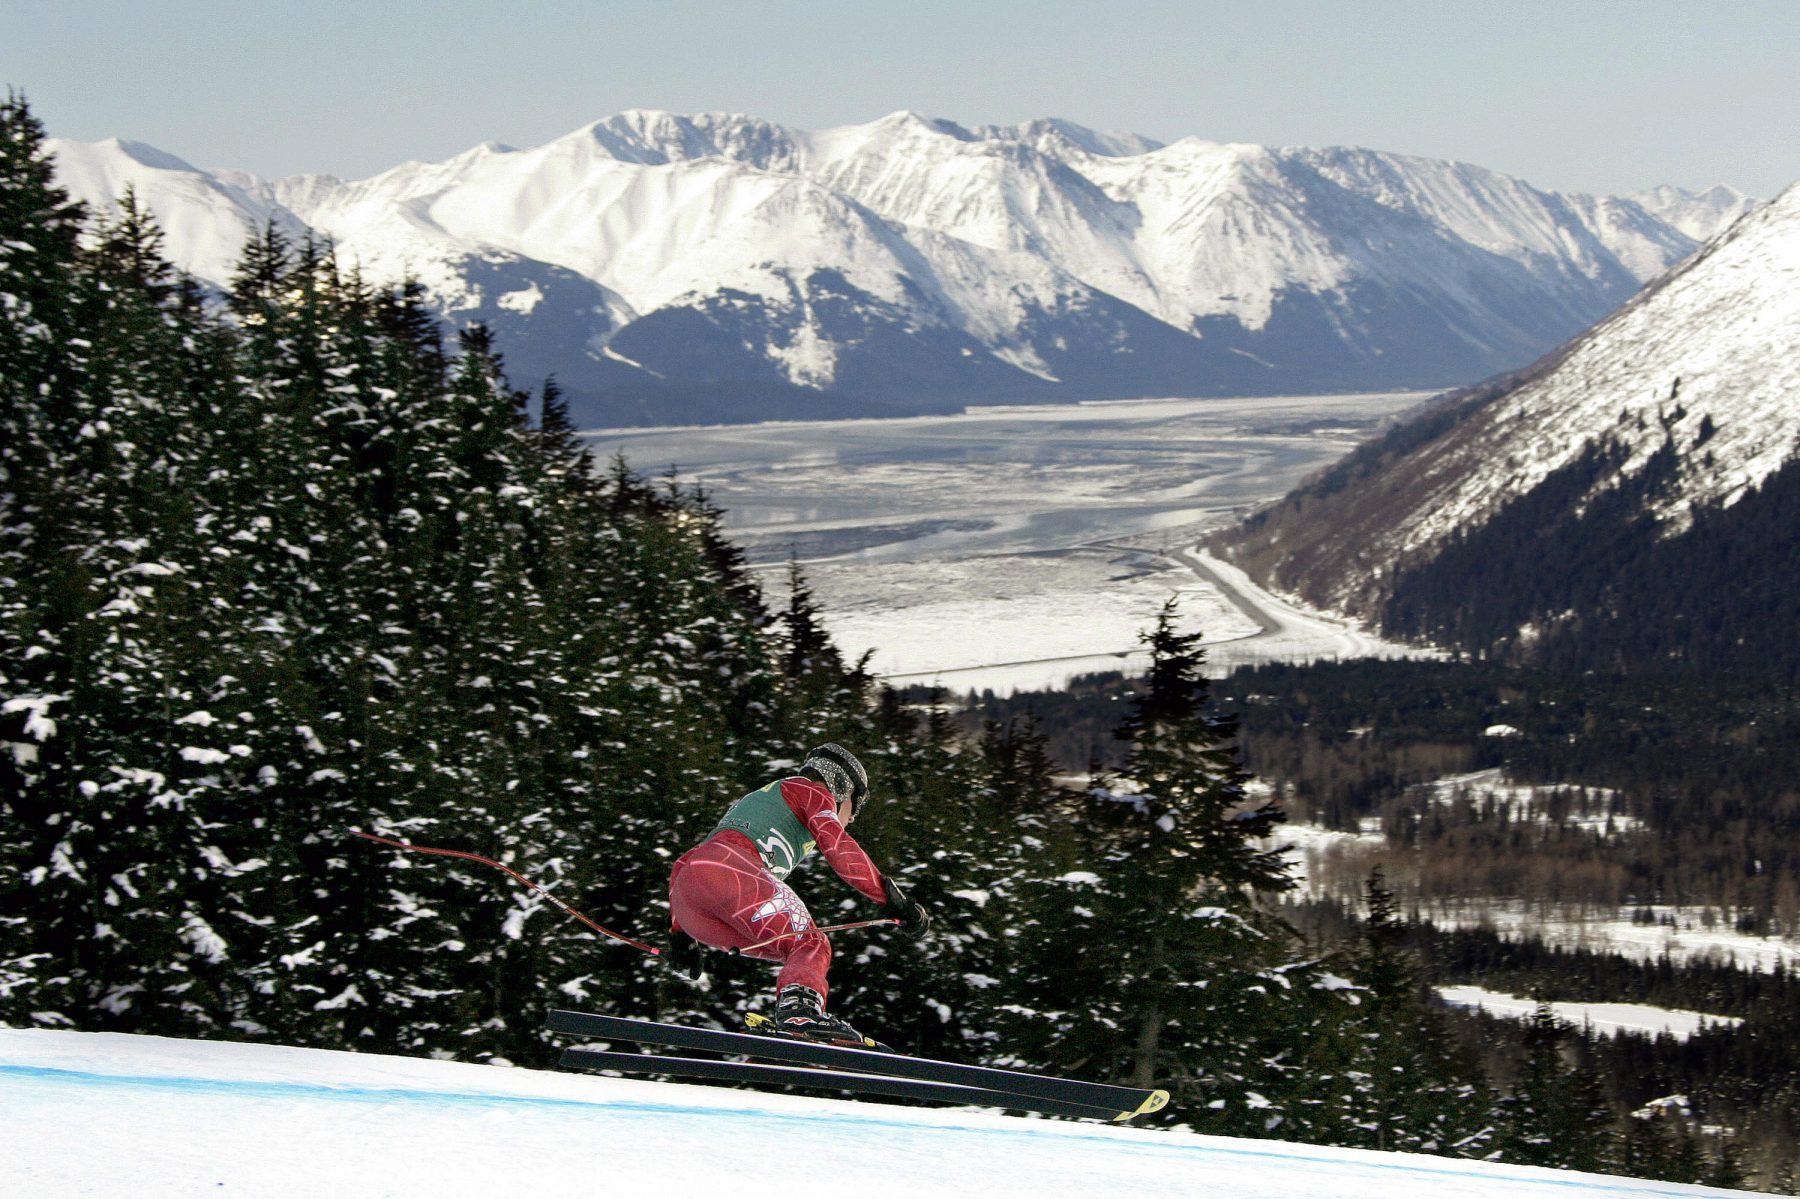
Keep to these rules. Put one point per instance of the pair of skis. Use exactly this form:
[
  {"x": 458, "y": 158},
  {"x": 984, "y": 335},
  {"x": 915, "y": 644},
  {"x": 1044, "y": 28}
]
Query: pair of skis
[{"x": 843, "y": 1068}]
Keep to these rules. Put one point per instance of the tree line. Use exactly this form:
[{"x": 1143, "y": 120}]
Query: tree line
[{"x": 1648, "y": 792}]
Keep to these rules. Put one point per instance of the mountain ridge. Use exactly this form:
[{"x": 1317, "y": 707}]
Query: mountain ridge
[
  {"x": 1576, "y": 476},
  {"x": 914, "y": 261}
]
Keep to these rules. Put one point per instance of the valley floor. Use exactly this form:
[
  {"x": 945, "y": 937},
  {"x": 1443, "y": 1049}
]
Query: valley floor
[{"x": 1031, "y": 622}]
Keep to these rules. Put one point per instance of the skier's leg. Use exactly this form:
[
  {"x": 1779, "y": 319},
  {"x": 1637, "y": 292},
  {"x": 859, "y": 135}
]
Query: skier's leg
[
  {"x": 724, "y": 898},
  {"x": 773, "y": 913},
  {"x": 807, "y": 961},
  {"x": 704, "y": 888},
  {"x": 805, "y": 956}
]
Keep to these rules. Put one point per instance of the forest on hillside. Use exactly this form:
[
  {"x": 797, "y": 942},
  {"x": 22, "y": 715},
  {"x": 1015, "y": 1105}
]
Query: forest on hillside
[
  {"x": 1575, "y": 576},
  {"x": 290, "y": 561},
  {"x": 1569, "y": 584}
]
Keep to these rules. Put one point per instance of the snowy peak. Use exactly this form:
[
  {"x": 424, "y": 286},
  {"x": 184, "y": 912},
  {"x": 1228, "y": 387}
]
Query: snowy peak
[
  {"x": 1643, "y": 243},
  {"x": 1708, "y": 361},
  {"x": 651, "y": 138},
  {"x": 1015, "y": 260},
  {"x": 908, "y": 120},
  {"x": 147, "y": 155},
  {"x": 1059, "y": 138},
  {"x": 1490, "y": 211},
  {"x": 206, "y": 219},
  {"x": 1700, "y": 215}
]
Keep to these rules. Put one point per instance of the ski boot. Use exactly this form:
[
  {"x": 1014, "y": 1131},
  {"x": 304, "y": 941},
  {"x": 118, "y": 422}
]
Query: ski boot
[{"x": 800, "y": 1012}]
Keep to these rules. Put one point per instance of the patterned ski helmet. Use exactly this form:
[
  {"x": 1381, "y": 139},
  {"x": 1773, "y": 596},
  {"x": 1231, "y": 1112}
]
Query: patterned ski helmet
[{"x": 843, "y": 774}]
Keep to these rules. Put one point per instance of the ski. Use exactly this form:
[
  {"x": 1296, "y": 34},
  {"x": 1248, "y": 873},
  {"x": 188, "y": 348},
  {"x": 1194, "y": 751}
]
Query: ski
[
  {"x": 822, "y": 1079},
  {"x": 1121, "y": 1102}
]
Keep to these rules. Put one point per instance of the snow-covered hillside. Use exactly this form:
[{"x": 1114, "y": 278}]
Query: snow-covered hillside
[
  {"x": 94, "y": 1114},
  {"x": 1704, "y": 365},
  {"x": 1709, "y": 359},
  {"x": 913, "y": 263}
]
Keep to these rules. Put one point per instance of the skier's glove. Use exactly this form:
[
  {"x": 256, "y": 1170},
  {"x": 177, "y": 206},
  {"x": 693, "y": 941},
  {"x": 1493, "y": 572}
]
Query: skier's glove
[
  {"x": 912, "y": 916},
  {"x": 684, "y": 958}
]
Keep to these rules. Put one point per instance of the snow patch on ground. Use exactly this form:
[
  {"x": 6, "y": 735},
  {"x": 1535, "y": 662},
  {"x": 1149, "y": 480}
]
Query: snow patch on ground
[
  {"x": 1590, "y": 808},
  {"x": 1682, "y": 934},
  {"x": 1295, "y": 630},
  {"x": 1313, "y": 845},
  {"x": 1607, "y": 1019},
  {"x": 1011, "y": 621}
]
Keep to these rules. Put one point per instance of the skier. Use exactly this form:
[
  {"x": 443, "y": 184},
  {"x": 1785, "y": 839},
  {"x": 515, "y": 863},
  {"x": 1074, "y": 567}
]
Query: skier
[{"x": 727, "y": 892}]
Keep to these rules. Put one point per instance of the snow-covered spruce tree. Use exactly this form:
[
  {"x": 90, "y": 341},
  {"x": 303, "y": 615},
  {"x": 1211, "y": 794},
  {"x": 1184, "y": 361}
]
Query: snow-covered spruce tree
[
  {"x": 42, "y": 879},
  {"x": 1384, "y": 1074},
  {"x": 984, "y": 852},
  {"x": 144, "y": 376},
  {"x": 532, "y": 666},
  {"x": 433, "y": 726},
  {"x": 1554, "y": 1113},
  {"x": 112, "y": 892},
  {"x": 274, "y": 615},
  {"x": 1016, "y": 807},
  {"x": 42, "y": 917},
  {"x": 1198, "y": 988}
]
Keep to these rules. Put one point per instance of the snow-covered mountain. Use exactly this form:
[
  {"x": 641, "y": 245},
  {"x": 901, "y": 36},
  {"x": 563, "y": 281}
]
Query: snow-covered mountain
[
  {"x": 1670, "y": 413},
  {"x": 719, "y": 265},
  {"x": 1700, "y": 215}
]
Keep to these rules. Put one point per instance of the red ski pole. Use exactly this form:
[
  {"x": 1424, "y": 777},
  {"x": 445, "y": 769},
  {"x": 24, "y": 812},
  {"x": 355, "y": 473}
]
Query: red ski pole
[
  {"x": 475, "y": 857},
  {"x": 829, "y": 928}
]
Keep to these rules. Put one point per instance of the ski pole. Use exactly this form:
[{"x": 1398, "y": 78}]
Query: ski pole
[
  {"x": 544, "y": 891},
  {"x": 829, "y": 928}
]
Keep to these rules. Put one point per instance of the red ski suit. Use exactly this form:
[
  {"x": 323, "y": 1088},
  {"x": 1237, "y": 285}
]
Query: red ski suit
[{"x": 722, "y": 892}]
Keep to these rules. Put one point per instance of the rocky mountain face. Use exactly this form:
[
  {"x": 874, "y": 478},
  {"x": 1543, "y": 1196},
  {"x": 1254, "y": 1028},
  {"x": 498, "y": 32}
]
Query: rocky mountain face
[
  {"x": 1636, "y": 490},
  {"x": 721, "y": 267}
]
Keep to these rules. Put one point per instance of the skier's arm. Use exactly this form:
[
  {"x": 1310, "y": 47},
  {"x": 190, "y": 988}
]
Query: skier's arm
[{"x": 818, "y": 811}]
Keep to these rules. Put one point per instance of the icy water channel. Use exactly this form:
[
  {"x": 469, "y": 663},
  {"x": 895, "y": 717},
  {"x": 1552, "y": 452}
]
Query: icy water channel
[{"x": 1003, "y": 535}]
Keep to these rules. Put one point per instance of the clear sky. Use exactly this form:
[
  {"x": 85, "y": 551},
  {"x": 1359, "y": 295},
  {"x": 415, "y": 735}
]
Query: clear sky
[{"x": 1604, "y": 96}]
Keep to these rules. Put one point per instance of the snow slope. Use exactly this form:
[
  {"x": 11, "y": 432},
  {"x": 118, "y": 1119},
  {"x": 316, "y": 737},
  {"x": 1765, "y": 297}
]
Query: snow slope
[
  {"x": 909, "y": 256},
  {"x": 206, "y": 219},
  {"x": 1704, "y": 361},
  {"x": 1700, "y": 215},
  {"x": 110, "y": 1114},
  {"x": 1710, "y": 357}
]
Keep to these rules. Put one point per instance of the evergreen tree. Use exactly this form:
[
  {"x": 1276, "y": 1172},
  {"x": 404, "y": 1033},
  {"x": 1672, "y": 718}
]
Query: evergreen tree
[
  {"x": 1201, "y": 988},
  {"x": 928, "y": 829},
  {"x": 1554, "y": 1116},
  {"x": 1384, "y": 1074},
  {"x": 809, "y": 659},
  {"x": 561, "y": 446}
]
